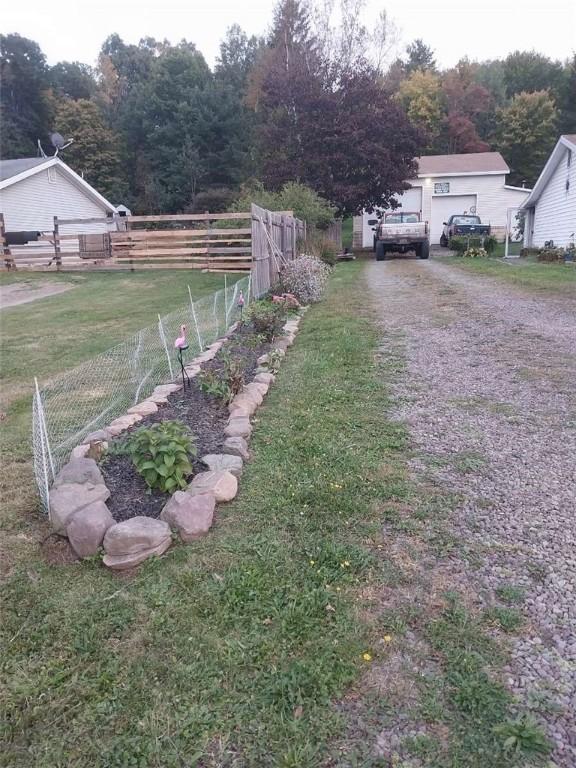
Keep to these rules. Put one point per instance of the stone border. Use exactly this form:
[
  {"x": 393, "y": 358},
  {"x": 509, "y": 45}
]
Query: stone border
[{"x": 77, "y": 501}]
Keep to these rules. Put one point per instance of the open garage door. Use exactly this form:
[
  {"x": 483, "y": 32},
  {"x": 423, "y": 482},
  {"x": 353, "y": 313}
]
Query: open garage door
[{"x": 445, "y": 206}]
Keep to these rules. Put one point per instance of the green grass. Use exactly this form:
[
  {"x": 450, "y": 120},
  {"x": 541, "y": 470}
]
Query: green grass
[
  {"x": 234, "y": 650},
  {"x": 231, "y": 649},
  {"x": 347, "y": 227},
  {"x": 524, "y": 273}
]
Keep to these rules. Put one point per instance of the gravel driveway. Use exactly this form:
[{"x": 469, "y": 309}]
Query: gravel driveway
[{"x": 489, "y": 397}]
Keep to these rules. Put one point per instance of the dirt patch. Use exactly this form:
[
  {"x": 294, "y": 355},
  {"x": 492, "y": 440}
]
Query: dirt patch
[
  {"x": 57, "y": 550},
  {"x": 22, "y": 293},
  {"x": 206, "y": 418}
]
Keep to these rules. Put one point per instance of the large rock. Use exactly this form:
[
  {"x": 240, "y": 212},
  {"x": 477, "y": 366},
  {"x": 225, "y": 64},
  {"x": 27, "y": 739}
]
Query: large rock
[
  {"x": 135, "y": 535},
  {"x": 145, "y": 408},
  {"x": 123, "y": 562},
  {"x": 87, "y": 527},
  {"x": 227, "y": 461},
  {"x": 236, "y": 446},
  {"x": 238, "y": 426},
  {"x": 100, "y": 434},
  {"x": 190, "y": 515},
  {"x": 263, "y": 360},
  {"x": 282, "y": 344},
  {"x": 67, "y": 499},
  {"x": 221, "y": 484},
  {"x": 244, "y": 401},
  {"x": 264, "y": 378},
  {"x": 242, "y": 410},
  {"x": 80, "y": 451},
  {"x": 124, "y": 422},
  {"x": 81, "y": 470},
  {"x": 157, "y": 399},
  {"x": 254, "y": 392},
  {"x": 166, "y": 389}
]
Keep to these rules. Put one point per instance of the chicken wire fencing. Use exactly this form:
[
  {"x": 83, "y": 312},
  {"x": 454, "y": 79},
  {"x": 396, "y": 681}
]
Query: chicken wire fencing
[{"x": 93, "y": 394}]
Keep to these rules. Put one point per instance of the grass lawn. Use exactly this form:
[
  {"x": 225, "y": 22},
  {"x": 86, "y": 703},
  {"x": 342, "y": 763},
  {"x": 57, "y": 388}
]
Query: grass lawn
[
  {"x": 51, "y": 335},
  {"x": 347, "y": 225},
  {"x": 524, "y": 273},
  {"x": 251, "y": 646}
]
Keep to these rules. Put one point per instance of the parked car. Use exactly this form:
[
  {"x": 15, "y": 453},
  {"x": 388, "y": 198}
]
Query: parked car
[
  {"x": 400, "y": 232},
  {"x": 463, "y": 224}
]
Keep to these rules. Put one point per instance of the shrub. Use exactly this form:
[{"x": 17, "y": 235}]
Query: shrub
[
  {"x": 551, "y": 255},
  {"x": 461, "y": 243},
  {"x": 490, "y": 244},
  {"x": 302, "y": 200},
  {"x": 266, "y": 317},
  {"x": 224, "y": 384},
  {"x": 306, "y": 278},
  {"x": 161, "y": 455},
  {"x": 321, "y": 247},
  {"x": 475, "y": 253}
]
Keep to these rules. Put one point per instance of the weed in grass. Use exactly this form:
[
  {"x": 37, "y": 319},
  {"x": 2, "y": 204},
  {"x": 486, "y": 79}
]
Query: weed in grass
[
  {"x": 511, "y": 594},
  {"x": 468, "y": 461},
  {"x": 523, "y": 737},
  {"x": 504, "y": 618},
  {"x": 537, "y": 571}
]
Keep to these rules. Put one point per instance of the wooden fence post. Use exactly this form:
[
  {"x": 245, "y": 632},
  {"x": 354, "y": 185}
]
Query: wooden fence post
[{"x": 57, "y": 249}]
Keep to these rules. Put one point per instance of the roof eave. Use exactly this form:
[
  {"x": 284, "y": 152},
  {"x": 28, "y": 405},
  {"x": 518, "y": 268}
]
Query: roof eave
[
  {"x": 462, "y": 173},
  {"x": 547, "y": 171},
  {"x": 78, "y": 180}
]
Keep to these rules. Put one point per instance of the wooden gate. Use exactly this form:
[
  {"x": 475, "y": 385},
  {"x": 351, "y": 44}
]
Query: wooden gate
[{"x": 275, "y": 238}]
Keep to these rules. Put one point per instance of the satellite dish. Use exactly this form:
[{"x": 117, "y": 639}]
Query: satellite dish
[{"x": 59, "y": 142}]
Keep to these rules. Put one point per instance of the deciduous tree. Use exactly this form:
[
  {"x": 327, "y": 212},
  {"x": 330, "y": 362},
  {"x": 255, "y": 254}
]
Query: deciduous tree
[{"x": 526, "y": 132}]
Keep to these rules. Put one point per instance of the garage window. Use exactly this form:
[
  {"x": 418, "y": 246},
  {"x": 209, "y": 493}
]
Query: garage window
[{"x": 442, "y": 188}]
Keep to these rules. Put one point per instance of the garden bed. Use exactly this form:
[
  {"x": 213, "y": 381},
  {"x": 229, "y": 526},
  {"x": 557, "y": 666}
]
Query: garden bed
[{"x": 204, "y": 415}]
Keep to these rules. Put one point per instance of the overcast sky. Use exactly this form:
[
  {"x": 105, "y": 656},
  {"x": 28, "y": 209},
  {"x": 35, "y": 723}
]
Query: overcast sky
[{"x": 74, "y": 30}]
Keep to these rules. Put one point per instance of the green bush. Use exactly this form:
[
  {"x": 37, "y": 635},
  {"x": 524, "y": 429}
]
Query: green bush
[
  {"x": 306, "y": 204},
  {"x": 161, "y": 454},
  {"x": 461, "y": 243},
  {"x": 266, "y": 317},
  {"x": 490, "y": 244},
  {"x": 224, "y": 384}
]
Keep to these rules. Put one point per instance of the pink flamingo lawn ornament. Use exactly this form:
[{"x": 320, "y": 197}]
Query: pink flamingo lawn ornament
[
  {"x": 241, "y": 303},
  {"x": 181, "y": 344}
]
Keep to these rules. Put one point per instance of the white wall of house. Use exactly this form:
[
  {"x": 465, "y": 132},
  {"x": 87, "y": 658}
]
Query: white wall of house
[
  {"x": 32, "y": 203},
  {"x": 554, "y": 215},
  {"x": 442, "y": 196}
]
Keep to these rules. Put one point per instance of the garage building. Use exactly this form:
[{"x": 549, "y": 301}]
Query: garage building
[{"x": 449, "y": 184}]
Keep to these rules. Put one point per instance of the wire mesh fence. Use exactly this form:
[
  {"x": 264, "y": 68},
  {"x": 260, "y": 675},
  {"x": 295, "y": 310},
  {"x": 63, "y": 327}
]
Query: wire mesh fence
[{"x": 90, "y": 396}]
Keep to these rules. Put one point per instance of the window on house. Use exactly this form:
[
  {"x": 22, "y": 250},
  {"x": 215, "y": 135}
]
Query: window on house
[
  {"x": 442, "y": 188},
  {"x": 52, "y": 175}
]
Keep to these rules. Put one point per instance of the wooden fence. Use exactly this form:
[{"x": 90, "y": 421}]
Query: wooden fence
[
  {"x": 275, "y": 237},
  {"x": 260, "y": 241},
  {"x": 210, "y": 241}
]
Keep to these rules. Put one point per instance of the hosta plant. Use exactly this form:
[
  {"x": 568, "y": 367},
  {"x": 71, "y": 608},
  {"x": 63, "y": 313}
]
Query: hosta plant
[{"x": 161, "y": 454}]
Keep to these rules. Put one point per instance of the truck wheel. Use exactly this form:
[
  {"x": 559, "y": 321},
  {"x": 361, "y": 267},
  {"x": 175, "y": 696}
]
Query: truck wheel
[
  {"x": 443, "y": 241},
  {"x": 424, "y": 250},
  {"x": 380, "y": 252}
]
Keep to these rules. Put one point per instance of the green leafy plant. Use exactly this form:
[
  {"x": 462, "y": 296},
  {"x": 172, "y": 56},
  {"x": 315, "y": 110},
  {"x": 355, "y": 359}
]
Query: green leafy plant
[
  {"x": 274, "y": 360},
  {"x": 461, "y": 243},
  {"x": 321, "y": 247},
  {"x": 222, "y": 384},
  {"x": 161, "y": 454},
  {"x": 523, "y": 736},
  {"x": 490, "y": 244},
  {"x": 266, "y": 318},
  {"x": 475, "y": 253}
]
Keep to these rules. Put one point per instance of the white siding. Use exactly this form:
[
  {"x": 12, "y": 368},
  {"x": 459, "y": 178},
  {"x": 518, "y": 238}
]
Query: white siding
[
  {"x": 555, "y": 210},
  {"x": 32, "y": 203},
  {"x": 493, "y": 199}
]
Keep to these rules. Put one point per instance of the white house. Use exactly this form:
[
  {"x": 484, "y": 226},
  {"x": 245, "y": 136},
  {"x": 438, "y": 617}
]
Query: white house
[
  {"x": 551, "y": 206},
  {"x": 35, "y": 189},
  {"x": 448, "y": 184}
]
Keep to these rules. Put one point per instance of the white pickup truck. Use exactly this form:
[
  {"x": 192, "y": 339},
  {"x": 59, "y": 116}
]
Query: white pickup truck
[{"x": 399, "y": 232}]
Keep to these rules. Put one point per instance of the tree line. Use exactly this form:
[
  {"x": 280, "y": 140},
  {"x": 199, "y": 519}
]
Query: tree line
[{"x": 156, "y": 128}]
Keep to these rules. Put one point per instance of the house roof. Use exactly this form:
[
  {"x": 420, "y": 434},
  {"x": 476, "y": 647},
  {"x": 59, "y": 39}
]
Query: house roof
[
  {"x": 14, "y": 171},
  {"x": 473, "y": 164},
  {"x": 566, "y": 141},
  {"x": 9, "y": 168}
]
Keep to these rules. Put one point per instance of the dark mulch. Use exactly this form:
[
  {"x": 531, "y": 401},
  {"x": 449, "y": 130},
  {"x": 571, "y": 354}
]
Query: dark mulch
[{"x": 206, "y": 418}]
